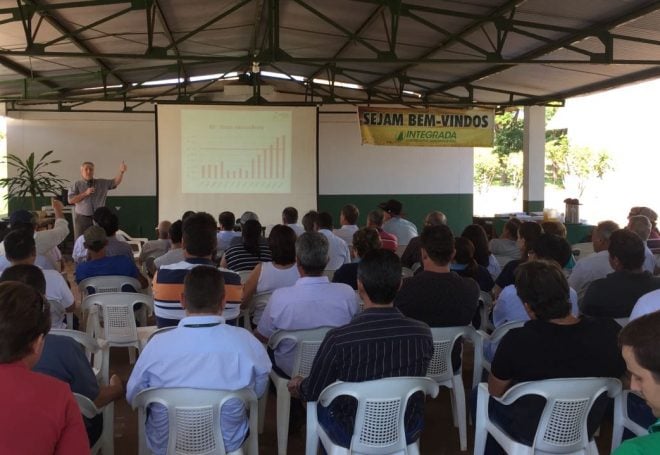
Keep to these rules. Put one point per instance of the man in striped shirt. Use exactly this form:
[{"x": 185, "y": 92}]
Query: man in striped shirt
[
  {"x": 378, "y": 343},
  {"x": 198, "y": 243}
]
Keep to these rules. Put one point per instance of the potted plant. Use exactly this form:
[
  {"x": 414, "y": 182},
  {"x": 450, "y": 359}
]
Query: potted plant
[{"x": 32, "y": 178}]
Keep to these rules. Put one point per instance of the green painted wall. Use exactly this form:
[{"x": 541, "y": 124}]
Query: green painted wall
[
  {"x": 457, "y": 207},
  {"x": 533, "y": 206},
  {"x": 137, "y": 214}
]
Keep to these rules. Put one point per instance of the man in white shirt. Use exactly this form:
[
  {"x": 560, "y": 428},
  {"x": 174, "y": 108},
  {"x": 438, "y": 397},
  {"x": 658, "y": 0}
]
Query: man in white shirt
[
  {"x": 648, "y": 303},
  {"x": 348, "y": 217},
  {"x": 597, "y": 265},
  {"x": 201, "y": 352},
  {"x": 641, "y": 225},
  {"x": 20, "y": 249},
  {"x": 338, "y": 252},
  {"x": 290, "y": 218},
  {"x": 312, "y": 302},
  {"x": 403, "y": 229}
]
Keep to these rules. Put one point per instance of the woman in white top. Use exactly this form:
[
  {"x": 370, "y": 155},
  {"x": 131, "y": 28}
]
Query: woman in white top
[{"x": 268, "y": 276}]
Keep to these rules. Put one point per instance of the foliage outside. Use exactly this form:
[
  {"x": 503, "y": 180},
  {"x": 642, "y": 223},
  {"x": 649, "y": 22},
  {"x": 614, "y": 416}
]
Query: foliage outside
[
  {"x": 564, "y": 164},
  {"x": 32, "y": 178}
]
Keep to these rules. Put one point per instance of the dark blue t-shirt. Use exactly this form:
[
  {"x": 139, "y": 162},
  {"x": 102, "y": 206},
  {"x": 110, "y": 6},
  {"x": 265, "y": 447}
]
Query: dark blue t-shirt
[{"x": 108, "y": 265}]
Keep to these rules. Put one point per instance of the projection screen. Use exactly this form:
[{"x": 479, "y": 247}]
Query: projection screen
[{"x": 214, "y": 158}]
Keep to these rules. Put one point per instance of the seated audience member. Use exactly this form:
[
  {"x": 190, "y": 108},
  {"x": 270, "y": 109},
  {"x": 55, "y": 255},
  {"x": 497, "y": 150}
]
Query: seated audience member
[
  {"x": 640, "y": 347},
  {"x": 553, "y": 344},
  {"x": 399, "y": 227},
  {"x": 364, "y": 240},
  {"x": 290, "y": 218},
  {"x": 39, "y": 414},
  {"x": 311, "y": 221},
  {"x": 528, "y": 232},
  {"x": 555, "y": 228},
  {"x": 100, "y": 264},
  {"x": 109, "y": 221},
  {"x": 197, "y": 354},
  {"x": 226, "y": 234},
  {"x": 615, "y": 295},
  {"x": 155, "y": 248},
  {"x": 348, "y": 217},
  {"x": 596, "y": 265},
  {"x": 338, "y": 253},
  {"x": 250, "y": 252},
  {"x": 412, "y": 254},
  {"x": 648, "y": 303},
  {"x": 175, "y": 253},
  {"x": 505, "y": 248},
  {"x": 47, "y": 239},
  {"x": 312, "y": 302},
  {"x": 20, "y": 249},
  {"x": 466, "y": 266},
  {"x": 438, "y": 296},
  {"x": 198, "y": 244},
  {"x": 640, "y": 225},
  {"x": 482, "y": 254},
  {"x": 401, "y": 347},
  {"x": 651, "y": 215},
  {"x": 65, "y": 359},
  {"x": 375, "y": 221},
  {"x": 281, "y": 272}
]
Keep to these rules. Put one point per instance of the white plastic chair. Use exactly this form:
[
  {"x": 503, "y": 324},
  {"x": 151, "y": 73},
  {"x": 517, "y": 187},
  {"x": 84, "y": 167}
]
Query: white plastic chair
[
  {"x": 563, "y": 424},
  {"x": 622, "y": 420},
  {"x": 135, "y": 242},
  {"x": 194, "y": 419},
  {"x": 400, "y": 249},
  {"x": 379, "y": 420},
  {"x": 307, "y": 344},
  {"x": 89, "y": 410},
  {"x": 110, "y": 283},
  {"x": 119, "y": 328},
  {"x": 406, "y": 272},
  {"x": 442, "y": 371},
  {"x": 485, "y": 306},
  {"x": 256, "y": 307},
  {"x": 493, "y": 340}
]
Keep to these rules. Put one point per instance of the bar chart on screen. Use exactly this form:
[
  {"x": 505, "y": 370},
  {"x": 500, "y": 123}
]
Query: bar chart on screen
[{"x": 239, "y": 157}]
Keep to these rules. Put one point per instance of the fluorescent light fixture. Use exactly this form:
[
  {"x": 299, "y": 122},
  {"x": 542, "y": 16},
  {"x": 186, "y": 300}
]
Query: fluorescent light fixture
[
  {"x": 337, "y": 84},
  {"x": 282, "y": 76},
  {"x": 101, "y": 88},
  {"x": 408, "y": 92}
]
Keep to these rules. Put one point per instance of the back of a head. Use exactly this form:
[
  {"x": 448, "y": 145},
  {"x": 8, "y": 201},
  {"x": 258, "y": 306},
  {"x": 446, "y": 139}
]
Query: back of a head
[
  {"x": 375, "y": 218},
  {"x": 203, "y": 290},
  {"x": 24, "y": 316},
  {"x": 379, "y": 271},
  {"x": 290, "y": 215},
  {"x": 29, "y": 274},
  {"x": 640, "y": 225},
  {"x": 529, "y": 231},
  {"x": 552, "y": 247},
  {"x": 107, "y": 219},
  {"x": 479, "y": 239},
  {"x": 227, "y": 221},
  {"x": 95, "y": 238},
  {"x": 438, "y": 242},
  {"x": 22, "y": 219},
  {"x": 19, "y": 245},
  {"x": 465, "y": 253},
  {"x": 164, "y": 230},
  {"x": 310, "y": 221},
  {"x": 646, "y": 211},
  {"x": 641, "y": 335},
  {"x": 199, "y": 234},
  {"x": 312, "y": 253},
  {"x": 543, "y": 286},
  {"x": 176, "y": 231},
  {"x": 365, "y": 240},
  {"x": 554, "y": 227},
  {"x": 251, "y": 234},
  {"x": 628, "y": 248},
  {"x": 325, "y": 220},
  {"x": 350, "y": 213},
  {"x": 511, "y": 228},
  {"x": 186, "y": 214},
  {"x": 435, "y": 218},
  {"x": 282, "y": 243},
  {"x": 605, "y": 229}
]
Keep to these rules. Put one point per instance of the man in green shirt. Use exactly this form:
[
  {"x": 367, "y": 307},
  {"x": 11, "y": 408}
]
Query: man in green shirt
[{"x": 640, "y": 347}]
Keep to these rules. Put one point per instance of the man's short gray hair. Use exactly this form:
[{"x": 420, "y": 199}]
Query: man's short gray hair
[
  {"x": 435, "y": 218},
  {"x": 312, "y": 252},
  {"x": 640, "y": 225},
  {"x": 606, "y": 228}
]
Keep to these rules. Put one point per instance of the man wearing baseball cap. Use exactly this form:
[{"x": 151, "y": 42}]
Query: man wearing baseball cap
[{"x": 403, "y": 229}]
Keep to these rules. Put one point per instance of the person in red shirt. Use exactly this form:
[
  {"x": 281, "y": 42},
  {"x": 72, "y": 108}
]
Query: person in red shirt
[
  {"x": 39, "y": 414},
  {"x": 375, "y": 221}
]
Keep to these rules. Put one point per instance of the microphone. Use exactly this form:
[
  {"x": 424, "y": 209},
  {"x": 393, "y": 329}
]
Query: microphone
[{"x": 90, "y": 183}]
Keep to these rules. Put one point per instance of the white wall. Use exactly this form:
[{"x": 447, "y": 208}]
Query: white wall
[
  {"x": 104, "y": 138},
  {"x": 347, "y": 167}
]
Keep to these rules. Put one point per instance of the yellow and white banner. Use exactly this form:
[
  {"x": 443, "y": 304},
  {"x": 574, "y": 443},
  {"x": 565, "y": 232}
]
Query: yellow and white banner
[{"x": 426, "y": 128}]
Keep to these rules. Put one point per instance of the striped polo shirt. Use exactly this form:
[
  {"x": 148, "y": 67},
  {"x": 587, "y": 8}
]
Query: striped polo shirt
[{"x": 168, "y": 287}]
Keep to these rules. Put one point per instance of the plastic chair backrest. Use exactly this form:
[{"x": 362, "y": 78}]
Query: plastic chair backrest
[
  {"x": 307, "y": 345},
  {"x": 379, "y": 420},
  {"x": 92, "y": 348},
  {"x": 406, "y": 272},
  {"x": 118, "y": 319},
  {"x": 87, "y": 407},
  {"x": 440, "y": 368},
  {"x": 563, "y": 424},
  {"x": 194, "y": 417},
  {"x": 110, "y": 283},
  {"x": 485, "y": 305}
]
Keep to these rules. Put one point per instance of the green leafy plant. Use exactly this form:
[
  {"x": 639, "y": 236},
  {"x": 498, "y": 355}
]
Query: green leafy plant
[{"x": 32, "y": 178}]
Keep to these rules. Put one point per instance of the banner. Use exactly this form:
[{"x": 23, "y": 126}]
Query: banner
[{"x": 426, "y": 128}]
